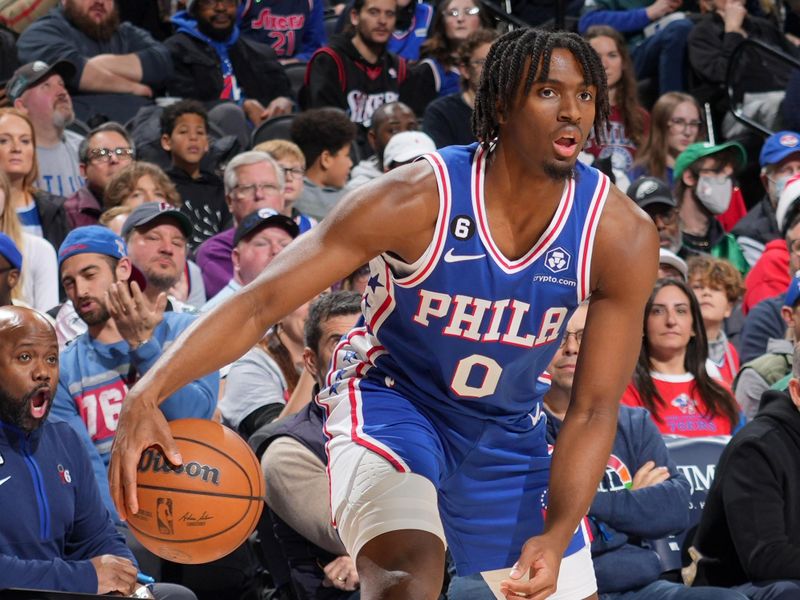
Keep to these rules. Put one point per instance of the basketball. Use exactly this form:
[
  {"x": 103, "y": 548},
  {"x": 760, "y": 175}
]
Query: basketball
[{"x": 207, "y": 507}]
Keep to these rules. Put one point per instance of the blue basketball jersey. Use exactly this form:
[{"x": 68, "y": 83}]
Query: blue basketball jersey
[{"x": 470, "y": 330}]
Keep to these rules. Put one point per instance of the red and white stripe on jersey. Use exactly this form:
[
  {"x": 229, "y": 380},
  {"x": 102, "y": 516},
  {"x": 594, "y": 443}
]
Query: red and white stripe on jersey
[
  {"x": 542, "y": 244},
  {"x": 545, "y": 378},
  {"x": 436, "y": 247},
  {"x": 588, "y": 236},
  {"x": 378, "y": 302}
]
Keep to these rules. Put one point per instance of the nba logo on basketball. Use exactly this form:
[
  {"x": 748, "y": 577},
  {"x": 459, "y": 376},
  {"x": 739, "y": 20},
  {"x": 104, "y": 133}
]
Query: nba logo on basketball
[{"x": 164, "y": 516}]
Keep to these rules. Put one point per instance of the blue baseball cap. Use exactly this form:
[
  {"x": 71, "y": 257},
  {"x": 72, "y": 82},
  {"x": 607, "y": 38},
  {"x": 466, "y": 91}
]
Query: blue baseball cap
[
  {"x": 9, "y": 251},
  {"x": 92, "y": 239},
  {"x": 778, "y": 146},
  {"x": 793, "y": 293}
]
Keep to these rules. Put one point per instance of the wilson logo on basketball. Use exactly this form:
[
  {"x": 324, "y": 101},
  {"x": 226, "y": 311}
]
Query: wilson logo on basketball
[{"x": 152, "y": 460}]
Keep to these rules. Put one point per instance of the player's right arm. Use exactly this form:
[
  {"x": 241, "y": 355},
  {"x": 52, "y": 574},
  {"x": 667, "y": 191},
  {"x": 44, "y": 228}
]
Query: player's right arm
[{"x": 396, "y": 213}]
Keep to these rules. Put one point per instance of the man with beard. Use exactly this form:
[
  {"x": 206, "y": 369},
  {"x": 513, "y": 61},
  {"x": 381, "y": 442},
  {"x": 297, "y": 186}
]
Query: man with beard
[
  {"x": 45, "y": 460},
  {"x": 654, "y": 197},
  {"x": 214, "y": 64},
  {"x": 127, "y": 332},
  {"x": 156, "y": 233},
  {"x": 118, "y": 66},
  {"x": 38, "y": 90},
  {"x": 478, "y": 256},
  {"x": 356, "y": 72}
]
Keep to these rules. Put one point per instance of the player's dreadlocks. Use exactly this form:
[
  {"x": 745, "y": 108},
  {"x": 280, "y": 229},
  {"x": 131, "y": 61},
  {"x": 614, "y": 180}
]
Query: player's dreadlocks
[{"x": 503, "y": 71}]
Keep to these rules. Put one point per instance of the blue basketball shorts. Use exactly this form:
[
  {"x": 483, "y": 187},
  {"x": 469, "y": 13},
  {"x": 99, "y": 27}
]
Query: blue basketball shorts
[{"x": 490, "y": 477}]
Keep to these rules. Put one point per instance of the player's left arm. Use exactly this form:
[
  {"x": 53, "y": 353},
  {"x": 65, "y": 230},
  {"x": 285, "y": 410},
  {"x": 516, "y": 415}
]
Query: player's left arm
[{"x": 623, "y": 270}]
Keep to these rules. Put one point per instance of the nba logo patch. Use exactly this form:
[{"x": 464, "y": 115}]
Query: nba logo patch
[{"x": 557, "y": 260}]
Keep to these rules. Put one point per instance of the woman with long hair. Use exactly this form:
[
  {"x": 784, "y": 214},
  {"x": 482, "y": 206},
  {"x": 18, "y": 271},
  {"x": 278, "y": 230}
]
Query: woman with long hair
[
  {"x": 671, "y": 379},
  {"x": 39, "y": 275},
  {"x": 437, "y": 73},
  {"x": 675, "y": 124},
  {"x": 40, "y": 213},
  {"x": 628, "y": 123}
]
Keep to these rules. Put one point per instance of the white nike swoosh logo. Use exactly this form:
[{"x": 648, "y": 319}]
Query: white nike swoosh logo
[
  {"x": 2, "y": 481},
  {"x": 449, "y": 257}
]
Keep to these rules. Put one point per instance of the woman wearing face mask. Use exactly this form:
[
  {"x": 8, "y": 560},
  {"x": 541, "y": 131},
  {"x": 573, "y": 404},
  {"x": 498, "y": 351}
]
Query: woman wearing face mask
[{"x": 703, "y": 177}]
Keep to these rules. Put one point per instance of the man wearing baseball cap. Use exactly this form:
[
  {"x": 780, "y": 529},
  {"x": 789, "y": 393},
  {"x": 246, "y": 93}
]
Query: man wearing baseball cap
[
  {"x": 127, "y": 332},
  {"x": 779, "y": 160},
  {"x": 654, "y": 197},
  {"x": 259, "y": 238},
  {"x": 10, "y": 267},
  {"x": 39, "y": 90},
  {"x": 405, "y": 147},
  {"x": 703, "y": 177},
  {"x": 156, "y": 234}
]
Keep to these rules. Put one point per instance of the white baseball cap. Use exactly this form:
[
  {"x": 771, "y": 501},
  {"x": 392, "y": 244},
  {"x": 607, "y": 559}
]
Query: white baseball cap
[{"x": 406, "y": 146}]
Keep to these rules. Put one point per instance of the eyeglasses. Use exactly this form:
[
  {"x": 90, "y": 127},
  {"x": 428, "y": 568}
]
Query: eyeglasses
[
  {"x": 685, "y": 125},
  {"x": 577, "y": 334},
  {"x": 293, "y": 173},
  {"x": 248, "y": 192},
  {"x": 457, "y": 12},
  {"x": 667, "y": 217},
  {"x": 103, "y": 155},
  {"x": 478, "y": 62}
]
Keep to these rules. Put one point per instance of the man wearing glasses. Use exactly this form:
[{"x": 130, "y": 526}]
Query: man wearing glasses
[
  {"x": 253, "y": 180},
  {"x": 703, "y": 179},
  {"x": 107, "y": 149}
]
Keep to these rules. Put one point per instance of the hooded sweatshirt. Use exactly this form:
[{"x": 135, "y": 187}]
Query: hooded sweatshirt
[{"x": 750, "y": 527}]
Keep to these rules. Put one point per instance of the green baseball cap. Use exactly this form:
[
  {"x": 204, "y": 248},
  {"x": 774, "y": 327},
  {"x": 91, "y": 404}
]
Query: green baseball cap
[{"x": 701, "y": 150}]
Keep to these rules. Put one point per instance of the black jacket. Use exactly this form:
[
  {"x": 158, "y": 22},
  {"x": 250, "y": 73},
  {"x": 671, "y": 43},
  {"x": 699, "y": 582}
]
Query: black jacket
[
  {"x": 760, "y": 223},
  {"x": 55, "y": 225},
  {"x": 709, "y": 50},
  {"x": 198, "y": 71},
  {"x": 339, "y": 76},
  {"x": 750, "y": 529}
]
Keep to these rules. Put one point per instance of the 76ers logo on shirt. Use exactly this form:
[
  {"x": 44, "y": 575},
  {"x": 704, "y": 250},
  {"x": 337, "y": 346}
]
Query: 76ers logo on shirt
[
  {"x": 685, "y": 404},
  {"x": 557, "y": 260}
]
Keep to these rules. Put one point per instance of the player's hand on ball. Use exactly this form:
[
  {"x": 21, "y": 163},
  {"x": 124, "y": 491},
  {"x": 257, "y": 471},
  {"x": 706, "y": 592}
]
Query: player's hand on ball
[
  {"x": 141, "y": 425},
  {"x": 114, "y": 574},
  {"x": 538, "y": 558},
  {"x": 341, "y": 573}
]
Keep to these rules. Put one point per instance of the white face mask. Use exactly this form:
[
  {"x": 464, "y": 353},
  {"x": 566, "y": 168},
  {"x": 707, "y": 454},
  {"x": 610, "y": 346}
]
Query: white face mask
[
  {"x": 779, "y": 184},
  {"x": 714, "y": 193}
]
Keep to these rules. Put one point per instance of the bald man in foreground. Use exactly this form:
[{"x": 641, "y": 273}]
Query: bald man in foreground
[{"x": 55, "y": 532}]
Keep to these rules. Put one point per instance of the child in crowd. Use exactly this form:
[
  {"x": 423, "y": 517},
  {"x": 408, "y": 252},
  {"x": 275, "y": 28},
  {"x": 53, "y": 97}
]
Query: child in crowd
[
  {"x": 718, "y": 287},
  {"x": 290, "y": 158},
  {"x": 184, "y": 134},
  {"x": 324, "y": 136}
]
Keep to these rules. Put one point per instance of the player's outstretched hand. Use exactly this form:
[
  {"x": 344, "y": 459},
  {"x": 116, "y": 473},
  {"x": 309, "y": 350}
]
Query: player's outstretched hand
[
  {"x": 542, "y": 561},
  {"x": 141, "y": 425},
  {"x": 114, "y": 574}
]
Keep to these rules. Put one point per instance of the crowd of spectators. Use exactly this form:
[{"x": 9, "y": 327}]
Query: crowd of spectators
[{"x": 156, "y": 156}]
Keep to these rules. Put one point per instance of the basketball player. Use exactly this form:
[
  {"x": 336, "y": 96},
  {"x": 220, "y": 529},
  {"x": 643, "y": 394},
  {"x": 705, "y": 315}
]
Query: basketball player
[{"x": 478, "y": 257}]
